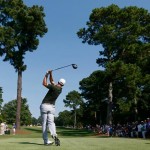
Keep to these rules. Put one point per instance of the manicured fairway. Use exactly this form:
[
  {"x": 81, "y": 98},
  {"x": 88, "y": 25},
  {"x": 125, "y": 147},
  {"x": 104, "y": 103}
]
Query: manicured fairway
[{"x": 32, "y": 141}]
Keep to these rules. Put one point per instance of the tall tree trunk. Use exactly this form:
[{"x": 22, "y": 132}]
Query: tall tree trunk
[
  {"x": 135, "y": 109},
  {"x": 95, "y": 115},
  {"x": 1, "y": 99},
  {"x": 19, "y": 91},
  {"x": 109, "y": 106},
  {"x": 75, "y": 118}
]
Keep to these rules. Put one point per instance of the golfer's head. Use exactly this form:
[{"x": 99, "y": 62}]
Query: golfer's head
[{"x": 62, "y": 82}]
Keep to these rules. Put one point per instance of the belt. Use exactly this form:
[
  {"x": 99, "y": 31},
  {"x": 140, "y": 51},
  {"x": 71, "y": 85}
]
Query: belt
[{"x": 48, "y": 103}]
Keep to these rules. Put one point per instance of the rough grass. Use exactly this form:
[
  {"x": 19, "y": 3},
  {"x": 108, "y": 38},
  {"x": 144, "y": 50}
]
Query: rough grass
[{"x": 71, "y": 139}]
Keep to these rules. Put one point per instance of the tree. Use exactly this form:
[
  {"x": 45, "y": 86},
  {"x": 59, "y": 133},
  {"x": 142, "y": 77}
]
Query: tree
[
  {"x": 1, "y": 101},
  {"x": 1, "y": 98},
  {"x": 144, "y": 101},
  {"x": 34, "y": 121},
  {"x": 94, "y": 90},
  {"x": 127, "y": 89},
  {"x": 9, "y": 112},
  {"x": 39, "y": 121},
  {"x": 20, "y": 28},
  {"x": 64, "y": 118},
  {"x": 124, "y": 36},
  {"x": 73, "y": 100}
]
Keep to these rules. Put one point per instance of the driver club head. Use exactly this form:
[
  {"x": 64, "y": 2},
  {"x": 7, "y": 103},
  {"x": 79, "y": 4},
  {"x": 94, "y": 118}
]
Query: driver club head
[{"x": 74, "y": 66}]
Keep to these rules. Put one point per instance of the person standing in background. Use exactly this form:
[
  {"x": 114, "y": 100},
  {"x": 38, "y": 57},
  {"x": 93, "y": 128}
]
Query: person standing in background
[
  {"x": 14, "y": 128},
  {"x": 2, "y": 128}
]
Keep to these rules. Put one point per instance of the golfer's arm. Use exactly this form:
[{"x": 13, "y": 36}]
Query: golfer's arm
[
  {"x": 45, "y": 80},
  {"x": 51, "y": 78}
]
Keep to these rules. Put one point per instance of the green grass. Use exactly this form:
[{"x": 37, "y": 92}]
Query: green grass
[{"x": 71, "y": 139}]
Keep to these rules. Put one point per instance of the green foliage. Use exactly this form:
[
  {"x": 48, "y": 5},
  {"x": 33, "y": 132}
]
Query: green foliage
[
  {"x": 124, "y": 105},
  {"x": 94, "y": 90},
  {"x": 121, "y": 32},
  {"x": 34, "y": 121},
  {"x": 20, "y": 28},
  {"x": 9, "y": 112},
  {"x": 39, "y": 120},
  {"x": 124, "y": 34},
  {"x": 73, "y": 100},
  {"x": 94, "y": 87},
  {"x": 64, "y": 118}
]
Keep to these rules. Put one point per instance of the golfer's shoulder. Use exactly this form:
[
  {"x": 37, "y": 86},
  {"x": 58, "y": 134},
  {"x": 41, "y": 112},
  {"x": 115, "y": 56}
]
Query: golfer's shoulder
[
  {"x": 50, "y": 86},
  {"x": 53, "y": 83}
]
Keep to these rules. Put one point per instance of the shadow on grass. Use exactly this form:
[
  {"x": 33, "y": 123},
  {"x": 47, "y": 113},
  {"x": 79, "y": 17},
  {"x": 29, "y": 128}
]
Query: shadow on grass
[
  {"x": 73, "y": 132},
  {"x": 62, "y": 131},
  {"x": 30, "y": 143},
  {"x": 66, "y": 132}
]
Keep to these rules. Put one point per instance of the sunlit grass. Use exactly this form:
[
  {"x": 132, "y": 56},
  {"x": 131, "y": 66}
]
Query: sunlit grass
[{"x": 30, "y": 138}]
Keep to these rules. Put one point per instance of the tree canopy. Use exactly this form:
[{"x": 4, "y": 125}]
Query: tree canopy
[
  {"x": 73, "y": 100},
  {"x": 124, "y": 34},
  {"x": 20, "y": 29},
  {"x": 9, "y": 112}
]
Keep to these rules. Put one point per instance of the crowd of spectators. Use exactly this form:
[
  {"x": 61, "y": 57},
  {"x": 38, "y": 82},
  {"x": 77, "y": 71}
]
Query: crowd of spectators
[
  {"x": 138, "y": 129},
  {"x": 4, "y": 129}
]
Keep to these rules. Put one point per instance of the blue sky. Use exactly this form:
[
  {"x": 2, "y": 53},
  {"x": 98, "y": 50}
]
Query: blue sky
[{"x": 59, "y": 47}]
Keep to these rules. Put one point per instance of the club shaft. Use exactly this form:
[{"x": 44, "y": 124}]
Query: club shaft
[{"x": 61, "y": 67}]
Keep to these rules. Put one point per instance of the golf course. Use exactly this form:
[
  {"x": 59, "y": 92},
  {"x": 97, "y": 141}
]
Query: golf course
[{"x": 30, "y": 138}]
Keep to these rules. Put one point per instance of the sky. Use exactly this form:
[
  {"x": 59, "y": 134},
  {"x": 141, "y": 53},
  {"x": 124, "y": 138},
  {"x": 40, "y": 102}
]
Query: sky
[{"x": 60, "y": 46}]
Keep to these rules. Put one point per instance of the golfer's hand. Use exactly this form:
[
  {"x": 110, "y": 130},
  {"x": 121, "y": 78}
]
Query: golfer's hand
[
  {"x": 47, "y": 73},
  {"x": 50, "y": 71}
]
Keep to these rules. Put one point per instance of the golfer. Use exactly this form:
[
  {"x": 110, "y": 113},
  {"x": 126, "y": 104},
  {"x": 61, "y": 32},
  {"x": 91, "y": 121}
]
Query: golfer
[{"x": 47, "y": 108}]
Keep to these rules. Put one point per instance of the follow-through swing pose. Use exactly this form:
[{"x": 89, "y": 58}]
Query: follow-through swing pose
[{"x": 47, "y": 108}]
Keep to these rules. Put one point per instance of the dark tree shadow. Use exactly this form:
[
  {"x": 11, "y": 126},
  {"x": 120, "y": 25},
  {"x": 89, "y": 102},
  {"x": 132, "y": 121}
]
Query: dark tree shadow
[{"x": 30, "y": 143}]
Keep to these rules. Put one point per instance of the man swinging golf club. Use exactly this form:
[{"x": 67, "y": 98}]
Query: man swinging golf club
[{"x": 47, "y": 108}]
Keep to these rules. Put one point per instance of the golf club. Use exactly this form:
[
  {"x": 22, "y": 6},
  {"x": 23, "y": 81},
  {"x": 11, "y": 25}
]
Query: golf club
[{"x": 74, "y": 66}]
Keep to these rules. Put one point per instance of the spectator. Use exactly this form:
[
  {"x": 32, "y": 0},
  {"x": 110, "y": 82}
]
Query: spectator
[
  {"x": 110, "y": 130},
  {"x": 143, "y": 129},
  {"x": 14, "y": 128},
  {"x": 133, "y": 130},
  {"x": 2, "y": 128},
  {"x": 139, "y": 126},
  {"x": 148, "y": 127}
]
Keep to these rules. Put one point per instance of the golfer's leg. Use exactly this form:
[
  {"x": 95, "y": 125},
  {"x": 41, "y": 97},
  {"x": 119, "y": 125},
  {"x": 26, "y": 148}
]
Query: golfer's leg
[
  {"x": 44, "y": 127},
  {"x": 51, "y": 124}
]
